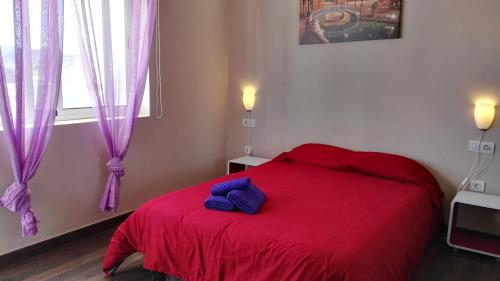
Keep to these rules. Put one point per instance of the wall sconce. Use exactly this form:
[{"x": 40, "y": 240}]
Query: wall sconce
[
  {"x": 249, "y": 98},
  {"x": 484, "y": 114},
  {"x": 249, "y": 103}
]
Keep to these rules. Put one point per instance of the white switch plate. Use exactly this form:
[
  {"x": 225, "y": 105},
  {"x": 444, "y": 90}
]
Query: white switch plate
[
  {"x": 477, "y": 186},
  {"x": 248, "y": 150},
  {"x": 248, "y": 123},
  {"x": 485, "y": 147}
]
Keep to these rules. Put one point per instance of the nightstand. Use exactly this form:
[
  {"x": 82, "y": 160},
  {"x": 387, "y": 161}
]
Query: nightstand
[
  {"x": 474, "y": 241},
  {"x": 244, "y": 163}
]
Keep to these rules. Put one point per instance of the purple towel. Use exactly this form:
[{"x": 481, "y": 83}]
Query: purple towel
[
  {"x": 224, "y": 188},
  {"x": 248, "y": 200},
  {"x": 220, "y": 203}
]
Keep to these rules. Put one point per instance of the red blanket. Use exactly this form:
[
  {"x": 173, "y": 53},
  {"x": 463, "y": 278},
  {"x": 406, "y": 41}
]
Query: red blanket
[{"x": 319, "y": 223}]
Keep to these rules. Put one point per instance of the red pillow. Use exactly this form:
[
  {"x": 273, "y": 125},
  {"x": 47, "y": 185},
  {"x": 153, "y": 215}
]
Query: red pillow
[
  {"x": 316, "y": 154},
  {"x": 397, "y": 168},
  {"x": 375, "y": 164}
]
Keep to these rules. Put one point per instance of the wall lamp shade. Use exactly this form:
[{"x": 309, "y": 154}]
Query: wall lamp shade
[
  {"x": 249, "y": 98},
  {"x": 484, "y": 114}
]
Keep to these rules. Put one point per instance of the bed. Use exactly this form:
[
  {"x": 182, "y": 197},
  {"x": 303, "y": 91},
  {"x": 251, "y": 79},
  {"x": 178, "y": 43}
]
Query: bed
[{"x": 330, "y": 214}]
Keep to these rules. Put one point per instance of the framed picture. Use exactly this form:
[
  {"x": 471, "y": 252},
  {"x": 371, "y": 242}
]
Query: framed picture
[{"x": 334, "y": 21}]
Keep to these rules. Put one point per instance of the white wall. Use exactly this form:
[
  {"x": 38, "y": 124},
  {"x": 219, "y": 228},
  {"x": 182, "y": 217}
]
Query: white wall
[
  {"x": 411, "y": 96},
  {"x": 184, "y": 148}
]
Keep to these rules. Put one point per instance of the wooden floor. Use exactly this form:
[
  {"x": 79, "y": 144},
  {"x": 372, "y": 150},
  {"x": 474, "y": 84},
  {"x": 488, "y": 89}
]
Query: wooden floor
[{"x": 80, "y": 260}]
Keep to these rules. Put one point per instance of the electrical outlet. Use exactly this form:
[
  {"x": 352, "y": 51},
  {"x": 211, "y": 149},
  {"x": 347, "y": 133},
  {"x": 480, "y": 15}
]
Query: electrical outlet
[
  {"x": 477, "y": 186},
  {"x": 248, "y": 123},
  {"x": 485, "y": 147},
  {"x": 248, "y": 150}
]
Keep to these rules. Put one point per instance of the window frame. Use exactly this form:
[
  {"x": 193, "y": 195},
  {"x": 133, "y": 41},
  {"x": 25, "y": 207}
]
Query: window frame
[{"x": 68, "y": 115}]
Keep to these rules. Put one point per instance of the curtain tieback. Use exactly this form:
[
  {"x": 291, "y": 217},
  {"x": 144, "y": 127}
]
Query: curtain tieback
[
  {"x": 17, "y": 198},
  {"x": 115, "y": 166},
  {"x": 29, "y": 222}
]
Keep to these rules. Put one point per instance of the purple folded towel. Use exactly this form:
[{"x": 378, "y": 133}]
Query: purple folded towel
[
  {"x": 220, "y": 203},
  {"x": 248, "y": 200},
  {"x": 224, "y": 188}
]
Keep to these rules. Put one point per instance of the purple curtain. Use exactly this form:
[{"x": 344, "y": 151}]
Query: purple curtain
[
  {"x": 29, "y": 118},
  {"x": 117, "y": 89}
]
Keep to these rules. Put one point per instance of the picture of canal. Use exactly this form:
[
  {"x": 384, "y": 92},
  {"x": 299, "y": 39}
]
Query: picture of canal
[{"x": 332, "y": 21}]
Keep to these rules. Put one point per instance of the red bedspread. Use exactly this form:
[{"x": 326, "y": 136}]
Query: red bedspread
[{"x": 317, "y": 224}]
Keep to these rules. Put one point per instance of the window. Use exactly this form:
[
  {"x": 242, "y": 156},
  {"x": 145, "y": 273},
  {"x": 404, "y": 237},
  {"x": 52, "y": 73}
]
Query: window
[{"x": 75, "y": 102}]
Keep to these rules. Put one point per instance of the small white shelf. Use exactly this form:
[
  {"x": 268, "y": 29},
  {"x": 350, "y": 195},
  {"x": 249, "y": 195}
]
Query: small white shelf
[
  {"x": 478, "y": 199},
  {"x": 472, "y": 240},
  {"x": 245, "y": 162}
]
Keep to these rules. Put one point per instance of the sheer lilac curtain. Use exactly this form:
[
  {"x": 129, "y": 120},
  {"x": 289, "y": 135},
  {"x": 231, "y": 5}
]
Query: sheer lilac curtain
[
  {"x": 115, "y": 79},
  {"x": 28, "y": 118}
]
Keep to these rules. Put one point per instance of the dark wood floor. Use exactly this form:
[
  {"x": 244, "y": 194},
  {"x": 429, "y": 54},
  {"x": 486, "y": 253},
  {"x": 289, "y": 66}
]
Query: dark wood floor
[{"x": 80, "y": 260}]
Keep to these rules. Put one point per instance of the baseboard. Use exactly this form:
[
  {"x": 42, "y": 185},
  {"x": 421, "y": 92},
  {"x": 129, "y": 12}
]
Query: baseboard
[{"x": 68, "y": 237}]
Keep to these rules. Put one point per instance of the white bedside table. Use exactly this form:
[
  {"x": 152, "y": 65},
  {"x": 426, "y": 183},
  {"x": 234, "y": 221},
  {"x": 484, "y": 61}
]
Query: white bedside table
[
  {"x": 473, "y": 240},
  {"x": 244, "y": 163}
]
